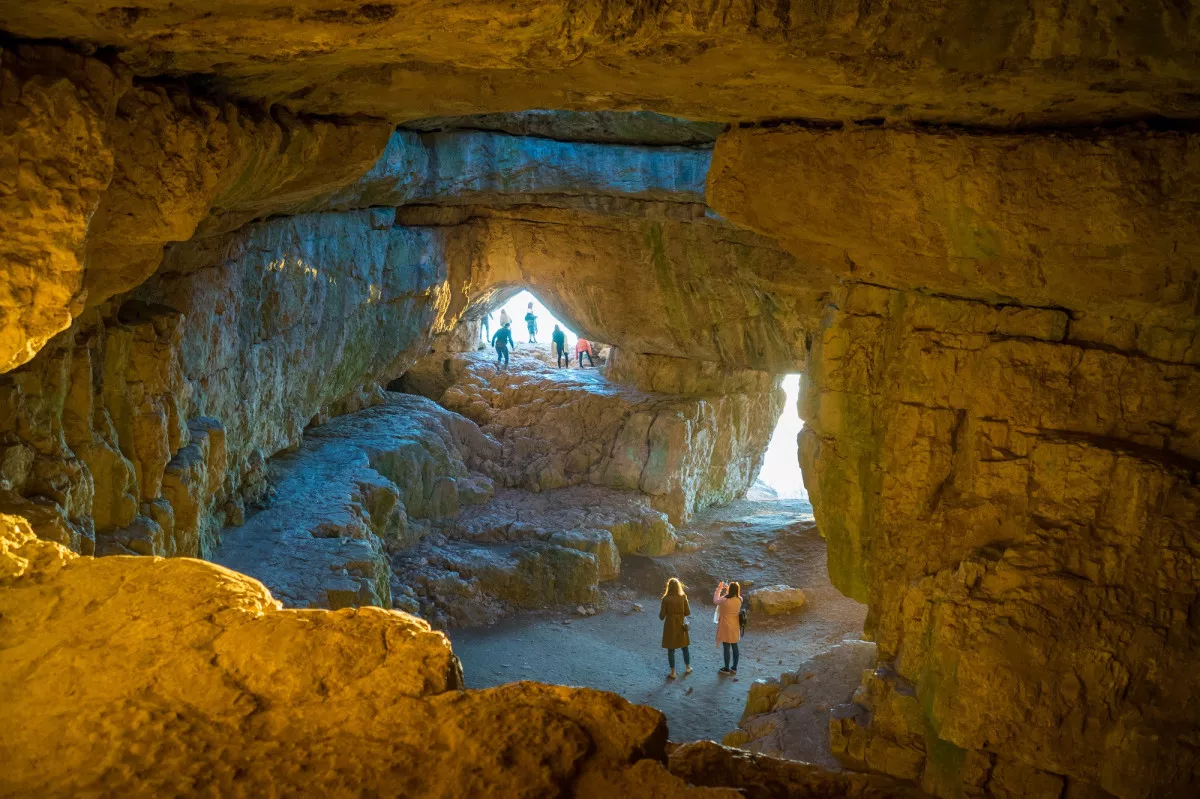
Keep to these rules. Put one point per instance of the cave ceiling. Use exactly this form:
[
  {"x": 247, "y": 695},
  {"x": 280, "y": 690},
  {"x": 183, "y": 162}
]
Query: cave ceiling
[{"x": 977, "y": 62}]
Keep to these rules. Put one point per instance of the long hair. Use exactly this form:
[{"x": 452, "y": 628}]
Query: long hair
[
  {"x": 734, "y": 590},
  {"x": 673, "y": 587}
]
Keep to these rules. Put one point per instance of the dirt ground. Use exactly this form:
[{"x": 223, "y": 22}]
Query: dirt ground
[{"x": 618, "y": 649}]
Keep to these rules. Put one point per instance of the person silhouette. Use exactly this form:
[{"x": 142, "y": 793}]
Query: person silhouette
[{"x": 531, "y": 323}]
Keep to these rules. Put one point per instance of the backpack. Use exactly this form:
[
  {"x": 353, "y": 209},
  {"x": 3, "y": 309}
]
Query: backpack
[{"x": 743, "y": 618}]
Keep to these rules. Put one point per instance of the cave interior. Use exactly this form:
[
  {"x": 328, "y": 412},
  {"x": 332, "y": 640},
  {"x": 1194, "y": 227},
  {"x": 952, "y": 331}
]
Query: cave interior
[{"x": 260, "y": 467}]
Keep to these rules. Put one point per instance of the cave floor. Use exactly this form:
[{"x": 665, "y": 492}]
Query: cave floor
[{"x": 618, "y": 649}]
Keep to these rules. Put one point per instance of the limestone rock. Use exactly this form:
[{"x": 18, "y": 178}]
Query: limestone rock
[
  {"x": 775, "y": 600},
  {"x": 599, "y": 543},
  {"x": 483, "y": 168},
  {"x": 181, "y": 161},
  {"x": 1092, "y": 223},
  {"x": 270, "y": 307},
  {"x": 462, "y": 584},
  {"x": 1034, "y": 63},
  {"x": 761, "y": 697},
  {"x": 798, "y": 715},
  {"x": 1008, "y": 488},
  {"x": 143, "y": 537},
  {"x": 605, "y": 127},
  {"x": 355, "y": 488},
  {"x": 592, "y": 518},
  {"x": 763, "y": 777},
  {"x": 751, "y": 306},
  {"x": 242, "y": 675},
  {"x": 560, "y": 428},
  {"x": 55, "y": 161}
]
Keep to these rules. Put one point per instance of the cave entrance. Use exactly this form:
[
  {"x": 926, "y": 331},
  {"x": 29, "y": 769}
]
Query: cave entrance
[
  {"x": 524, "y": 302},
  {"x": 516, "y": 308},
  {"x": 780, "y": 477}
]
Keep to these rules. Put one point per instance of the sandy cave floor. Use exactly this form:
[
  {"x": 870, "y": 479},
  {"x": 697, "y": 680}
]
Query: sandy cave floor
[{"x": 618, "y": 649}]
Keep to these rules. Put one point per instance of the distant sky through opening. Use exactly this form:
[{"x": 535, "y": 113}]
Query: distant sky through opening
[
  {"x": 781, "y": 464},
  {"x": 517, "y": 307}
]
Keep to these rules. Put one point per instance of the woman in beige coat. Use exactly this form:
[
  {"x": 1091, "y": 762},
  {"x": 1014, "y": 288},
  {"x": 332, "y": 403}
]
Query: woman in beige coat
[
  {"x": 728, "y": 599},
  {"x": 673, "y": 611}
]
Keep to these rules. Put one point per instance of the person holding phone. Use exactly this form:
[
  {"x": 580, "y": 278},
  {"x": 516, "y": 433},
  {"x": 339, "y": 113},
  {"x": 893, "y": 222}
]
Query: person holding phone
[{"x": 728, "y": 599}]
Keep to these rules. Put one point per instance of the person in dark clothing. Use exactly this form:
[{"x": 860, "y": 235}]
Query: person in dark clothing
[
  {"x": 531, "y": 323},
  {"x": 673, "y": 612},
  {"x": 487, "y": 326},
  {"x": 502, "y": 341},
  {"x": 561, "y": 358}
]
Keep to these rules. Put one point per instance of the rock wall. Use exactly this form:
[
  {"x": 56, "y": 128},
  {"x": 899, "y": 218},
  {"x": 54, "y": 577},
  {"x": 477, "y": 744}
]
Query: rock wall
[
  {"x": 999, "y": 326},
  {"x": 55, "y": 161},
  {"x": 489, "y": 168},
  {"x": 100, "y": 172},
  {"x": 1019, "y": 510},
  {"x": 560, "y": 429},
  {"x": 236, "y": 334},
  {"x": 1000, "y": 443},
  {"x": 1096, "y": 222},
  {"x": 259, "y": 331},
  {"x": 361, "y": 486}
]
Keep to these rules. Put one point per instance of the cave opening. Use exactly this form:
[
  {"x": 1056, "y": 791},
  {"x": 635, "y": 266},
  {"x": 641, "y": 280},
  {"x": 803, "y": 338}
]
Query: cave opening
[
  {"x": 526, "y": 302},
  {"x": 780, "y": 475}
]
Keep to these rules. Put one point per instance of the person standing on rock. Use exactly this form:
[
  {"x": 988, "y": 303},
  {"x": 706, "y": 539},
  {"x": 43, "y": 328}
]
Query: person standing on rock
[
  {"x": 502, "y": 341},
  {"x": 560, "y": 348},
  {"x": 584, "y": 347},
  {"x": 531, "y": 323},
  {"x": 728, "y": 599},
  {"x": 487, "y": 326},
  {"x": 673, "y": 611},
  {"x": 505, "y": 319}
]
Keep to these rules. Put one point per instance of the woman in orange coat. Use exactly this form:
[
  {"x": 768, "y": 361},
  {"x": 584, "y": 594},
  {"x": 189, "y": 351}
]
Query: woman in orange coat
[
  {"x": 584, "y": 347},
  {"x": 728, "y": 599}
]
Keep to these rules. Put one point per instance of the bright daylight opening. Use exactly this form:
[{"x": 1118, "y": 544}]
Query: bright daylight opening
[
  {"x": 518, "y": 307},
  {"x": 781, "y": 468}
]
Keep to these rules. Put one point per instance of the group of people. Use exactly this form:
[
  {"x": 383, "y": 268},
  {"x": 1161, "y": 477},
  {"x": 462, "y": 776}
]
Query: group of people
[
  {"x": 674, "y": 611},
  {"x": 503, "y": 340},
  {"x": 583, "y": 347}
]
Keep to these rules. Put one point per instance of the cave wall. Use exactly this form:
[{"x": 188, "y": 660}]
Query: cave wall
[
  {"x": 147, "y": 424},
  {"x": 1001, "y": 443},
  {"x": 101, "y": 172}
]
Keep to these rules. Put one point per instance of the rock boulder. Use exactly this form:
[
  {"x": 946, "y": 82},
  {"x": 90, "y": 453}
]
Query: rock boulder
[{"x": 775, "y": 600}]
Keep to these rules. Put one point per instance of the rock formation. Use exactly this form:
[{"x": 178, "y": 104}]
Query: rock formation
[
  {"x": 976, "y": 237},
  {"x": 1033, "y": 63},
  {"x": 571, "y": 427},
  {"x": 365, "y": 697},
  {"x": 790, "y": 716},
  {"x": 1007, "y": 478}
]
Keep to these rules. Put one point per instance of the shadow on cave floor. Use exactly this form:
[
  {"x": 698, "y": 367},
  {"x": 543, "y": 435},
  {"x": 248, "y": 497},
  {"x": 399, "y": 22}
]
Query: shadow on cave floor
[{"x": 618, "y": 649}]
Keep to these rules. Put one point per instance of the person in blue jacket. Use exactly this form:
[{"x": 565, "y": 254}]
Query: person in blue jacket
[{"x": 502, "y": 341}]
